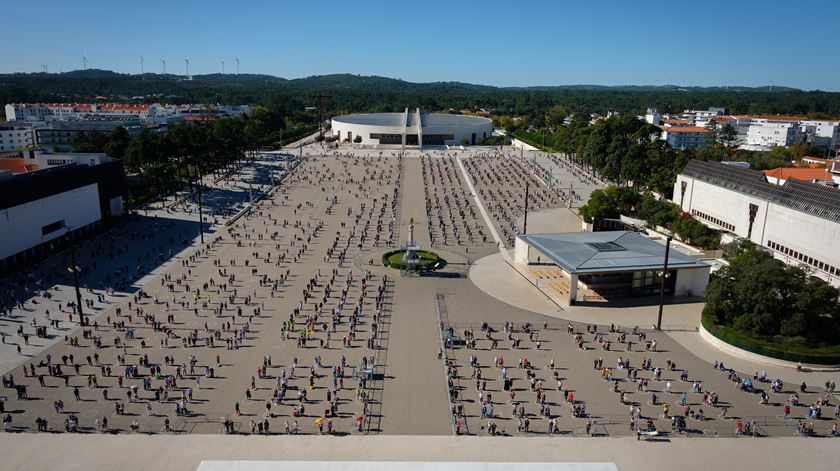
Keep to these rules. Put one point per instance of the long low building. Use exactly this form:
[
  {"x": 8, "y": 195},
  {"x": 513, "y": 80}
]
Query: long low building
[
  {"x": 798, "y": 220},
  {"x": 414, "y": 129},
  {"x": 615, "y": 264}
]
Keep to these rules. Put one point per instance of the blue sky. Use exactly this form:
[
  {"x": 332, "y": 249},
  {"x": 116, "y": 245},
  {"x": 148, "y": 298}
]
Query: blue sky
[{"x": 504, "y": 43}]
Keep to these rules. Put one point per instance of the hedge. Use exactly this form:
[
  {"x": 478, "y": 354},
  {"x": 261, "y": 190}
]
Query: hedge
[
  {"x": 393, "y": 258},
  {"x": 778, "y": 347}
]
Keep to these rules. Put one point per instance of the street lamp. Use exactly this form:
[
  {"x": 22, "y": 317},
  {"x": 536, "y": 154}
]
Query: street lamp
[
  {"x": 525, "y": 222},
  {"x": 200, "y": 207},
  {"x": 662, "y": 286},
  {"x": 75, "y": 270}
]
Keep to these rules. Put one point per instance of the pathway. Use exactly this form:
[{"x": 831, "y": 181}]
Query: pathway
[{"x": 415, "y": 398}]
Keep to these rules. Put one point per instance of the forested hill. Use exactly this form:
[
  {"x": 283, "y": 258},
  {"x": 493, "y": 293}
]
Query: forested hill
[{"x": 371, "y": 93}]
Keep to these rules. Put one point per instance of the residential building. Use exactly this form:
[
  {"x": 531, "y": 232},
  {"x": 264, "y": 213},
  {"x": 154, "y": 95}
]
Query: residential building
[
  {"x": 772, "y": 134},
  {"x": 685, "y": 137},
  {"x": 59, "y": 135},
  {"x": 821, "y": 133},
  {"x": 14, "y": 137}
]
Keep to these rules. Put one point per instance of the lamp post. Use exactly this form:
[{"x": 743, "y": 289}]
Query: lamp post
[
  {"x": 200, "y": 207},
  {"x": 75, "y": 269},
  {"x": 525, "y": 222},
  {"x": 662, "y": 286}
]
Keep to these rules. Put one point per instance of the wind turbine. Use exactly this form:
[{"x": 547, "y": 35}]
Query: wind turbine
[
  {"x": 237, "y": 66},
  {"x": 163, "y": 61},
  {"x": 84, "y": 60},
  {"x": 141, "y": 66},
  {"x": 223, "y": 67},
  {"x": 187, "y": 62}
]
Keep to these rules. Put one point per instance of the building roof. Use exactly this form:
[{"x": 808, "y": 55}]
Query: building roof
[
  {"x": 606, "y": 252},
  {"x": 818, "y": 160},
  {"x": 16, "y": 165},
  {"x": 399, "y": 119},
  {"x": 799, "y": 173},
  {"x": 818, "y": 200},
  {"x": 769, "y": 117},
  {"x": 373, "y": 119},
  {"x": 687, "y": 129}
]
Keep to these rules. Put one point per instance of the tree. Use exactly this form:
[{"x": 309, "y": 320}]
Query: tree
[
  {"x": 357, "y": 139},
  {"x": 609, "y": 203},
  {"x": 761, "y": 296},
  {"x": 728, "y": 135},
  {"x": 555, "y": 115}
]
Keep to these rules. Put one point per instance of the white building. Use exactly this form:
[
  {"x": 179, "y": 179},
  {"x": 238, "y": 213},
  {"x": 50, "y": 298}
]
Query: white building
[
  {"x": 769, "y": 134},
  {"x": 653, "y": 117},
  {"x": 155, "y": 113},
  {"x": 44, "y": 159},
  {"x": 64, "y": 111},
  {"x": 38, "y": 207},
  {"x": 411, "y": 129},
  {"x": 15, "y": 137},
  {"x": 799, "y": 221},
  {"x": 685, "y": 137},
  {"x": 821, "y": 133}
]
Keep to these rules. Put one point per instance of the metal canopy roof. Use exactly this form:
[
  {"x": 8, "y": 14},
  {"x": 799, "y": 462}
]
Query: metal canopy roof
[
  {"x": 607, "y": 252},
  {"x": 818, "y": 200}
]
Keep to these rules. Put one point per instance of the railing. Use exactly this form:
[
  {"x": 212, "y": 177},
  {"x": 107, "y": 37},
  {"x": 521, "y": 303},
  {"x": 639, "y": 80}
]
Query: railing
[
  {"x": 449, "y": 355},
  {"x": 374, "y": 393}
]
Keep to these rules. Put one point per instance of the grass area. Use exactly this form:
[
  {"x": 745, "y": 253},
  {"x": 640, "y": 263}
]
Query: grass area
[
  {"x": 427, "y": 259},
  {"x": 298, "y": 132},
  {"x": 535, "y": 139},
  {"x": 780, "y": 347}
]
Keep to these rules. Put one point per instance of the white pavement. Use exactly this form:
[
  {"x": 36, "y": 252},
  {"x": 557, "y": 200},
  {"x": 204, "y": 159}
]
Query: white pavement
[{"x": 140, "y": 452}]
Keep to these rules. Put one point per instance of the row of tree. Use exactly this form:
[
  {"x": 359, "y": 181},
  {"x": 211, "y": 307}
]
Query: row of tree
[
  {"x": 628, "y": 151},
  {"x": 165, "y": 160},
  {"x": 541, "y": 107},
  {"x": 614, "y": 201}
]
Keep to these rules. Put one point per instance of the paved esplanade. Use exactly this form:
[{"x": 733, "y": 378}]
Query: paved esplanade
[{"x": 287, "y": 316}]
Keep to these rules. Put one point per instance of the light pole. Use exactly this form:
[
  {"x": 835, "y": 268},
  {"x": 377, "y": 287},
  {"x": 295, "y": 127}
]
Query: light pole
[
  {"x": 525, "y": 222},
  {"x": 662, "y": 286},
  {"x": 200, "y": 207},
  {"x": 75, "y": 269}
]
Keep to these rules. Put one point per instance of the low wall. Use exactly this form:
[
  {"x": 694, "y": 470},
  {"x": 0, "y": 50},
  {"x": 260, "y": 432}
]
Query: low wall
[
  {"x": 517, "y": 143},
  {"x": 750, "y": 356}
]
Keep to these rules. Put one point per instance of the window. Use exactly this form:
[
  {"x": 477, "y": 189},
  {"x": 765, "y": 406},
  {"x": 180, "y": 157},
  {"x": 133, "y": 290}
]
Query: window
[{"x": 52, "y": 227}]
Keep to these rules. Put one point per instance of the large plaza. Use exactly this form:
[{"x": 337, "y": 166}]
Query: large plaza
[{"x": 284, "y": 321}]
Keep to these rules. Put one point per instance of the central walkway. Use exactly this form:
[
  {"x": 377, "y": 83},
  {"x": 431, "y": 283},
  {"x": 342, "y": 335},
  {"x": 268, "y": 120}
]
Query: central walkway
[{"x": 415, "y": 399}]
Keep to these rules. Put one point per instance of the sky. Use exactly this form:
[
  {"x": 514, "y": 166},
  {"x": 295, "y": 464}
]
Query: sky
[{"x": 492, "y": 42}]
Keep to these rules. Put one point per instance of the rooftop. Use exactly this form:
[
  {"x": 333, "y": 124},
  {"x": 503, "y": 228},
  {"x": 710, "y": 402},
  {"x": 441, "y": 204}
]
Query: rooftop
[
  {"x": 799, "y": 173},
  {"x": 818, "y": 200},
  {"x": 604, "y": 252},
  {"x": 687, "y": 129},
  {"x": 16, "y": 165},
  {"x": 398, "y": 119}
]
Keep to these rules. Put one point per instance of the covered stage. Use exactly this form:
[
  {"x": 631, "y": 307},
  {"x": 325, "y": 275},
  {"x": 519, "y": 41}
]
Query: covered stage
[{"x": 615, "y": 264}]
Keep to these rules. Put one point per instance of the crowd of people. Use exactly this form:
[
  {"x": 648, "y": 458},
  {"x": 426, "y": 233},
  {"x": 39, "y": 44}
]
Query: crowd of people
[{"x": 282, "y": 289}]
